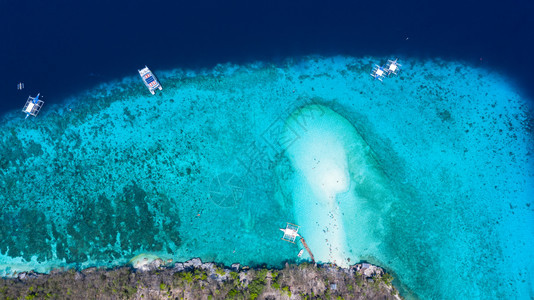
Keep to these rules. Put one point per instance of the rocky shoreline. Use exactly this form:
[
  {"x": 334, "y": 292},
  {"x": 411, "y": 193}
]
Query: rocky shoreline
[{"x": 197, "y": 280}]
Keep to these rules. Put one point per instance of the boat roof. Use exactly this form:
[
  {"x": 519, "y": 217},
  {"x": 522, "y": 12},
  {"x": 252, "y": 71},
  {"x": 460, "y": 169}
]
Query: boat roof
[{"x": 291, "y": 232}]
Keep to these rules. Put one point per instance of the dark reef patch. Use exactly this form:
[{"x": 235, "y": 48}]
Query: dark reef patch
[
  {"x": 101, "y": 229},
  {"x": 24, "y": 234}
]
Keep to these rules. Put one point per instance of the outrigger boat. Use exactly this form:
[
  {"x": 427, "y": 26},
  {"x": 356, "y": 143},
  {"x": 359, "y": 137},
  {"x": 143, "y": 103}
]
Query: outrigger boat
[
  {"x": 33, "y": 106},
  {"x": 290, "y": 232},
  {"x": 378, "y": 72},
  {"x": 150, "y": 80},
  {"x": 392, "y": 67}
]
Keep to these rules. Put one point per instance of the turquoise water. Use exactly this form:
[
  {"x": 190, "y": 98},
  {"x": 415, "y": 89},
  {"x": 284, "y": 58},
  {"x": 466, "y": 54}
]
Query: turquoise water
[{"x": 428, "y": 174}]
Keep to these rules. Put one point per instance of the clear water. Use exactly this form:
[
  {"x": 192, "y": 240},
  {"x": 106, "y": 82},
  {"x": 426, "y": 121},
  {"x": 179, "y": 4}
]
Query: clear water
[{"x": 428, "y": 174}]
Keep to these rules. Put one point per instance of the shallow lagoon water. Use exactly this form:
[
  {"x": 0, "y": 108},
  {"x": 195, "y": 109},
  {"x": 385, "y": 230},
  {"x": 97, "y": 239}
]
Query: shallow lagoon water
[{"x": 203, "y": 169}]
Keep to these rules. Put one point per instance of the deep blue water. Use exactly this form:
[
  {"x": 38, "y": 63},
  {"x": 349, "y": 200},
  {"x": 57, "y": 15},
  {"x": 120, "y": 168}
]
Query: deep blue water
[{"x": 59, "y": 48}]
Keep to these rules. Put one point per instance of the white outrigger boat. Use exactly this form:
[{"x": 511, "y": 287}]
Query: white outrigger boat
[
  {"x": 392, "y": 67},
  {"x": 33, "y": 106},
  {"x": 290, "y": 232},
  {"x": 150, "y": 80},
  {"x": 378, "y": 72}
]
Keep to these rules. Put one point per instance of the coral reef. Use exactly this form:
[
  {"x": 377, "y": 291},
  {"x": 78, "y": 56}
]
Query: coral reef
[{"x": 116, "y": 172}]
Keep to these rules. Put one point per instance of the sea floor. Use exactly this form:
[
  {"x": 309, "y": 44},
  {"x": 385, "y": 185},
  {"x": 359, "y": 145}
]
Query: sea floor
[{"x": 428, "y": 174}]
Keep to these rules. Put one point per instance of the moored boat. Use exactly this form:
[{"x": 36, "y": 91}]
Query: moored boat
[
  {"x": 150, "y": 80},
  {"x": 33, "y": 106}
]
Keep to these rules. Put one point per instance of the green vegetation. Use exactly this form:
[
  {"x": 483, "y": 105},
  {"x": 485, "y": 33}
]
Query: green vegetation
[
  {"x": 256, "y": 286},
  {"x": 286, "y": 289},
  {"x": 183, "y": 276},
  {"x": 122, "y": 283},
  {"x": 129, "y": 291},
  {"x": 200, "y": 275},
  {"x": 387, "y": 279},
  {"x": 274, "y": 280},
  {"x": 376, "y": 285},
  {"x": 234, "y": 276},
  {"x": 262, "y": 274},
  {"x": 233, "y": 294}
]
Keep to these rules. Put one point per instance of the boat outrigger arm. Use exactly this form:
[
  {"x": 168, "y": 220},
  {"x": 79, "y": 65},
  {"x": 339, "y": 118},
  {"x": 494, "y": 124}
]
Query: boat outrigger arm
[{"x": 33, "y": 106}]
